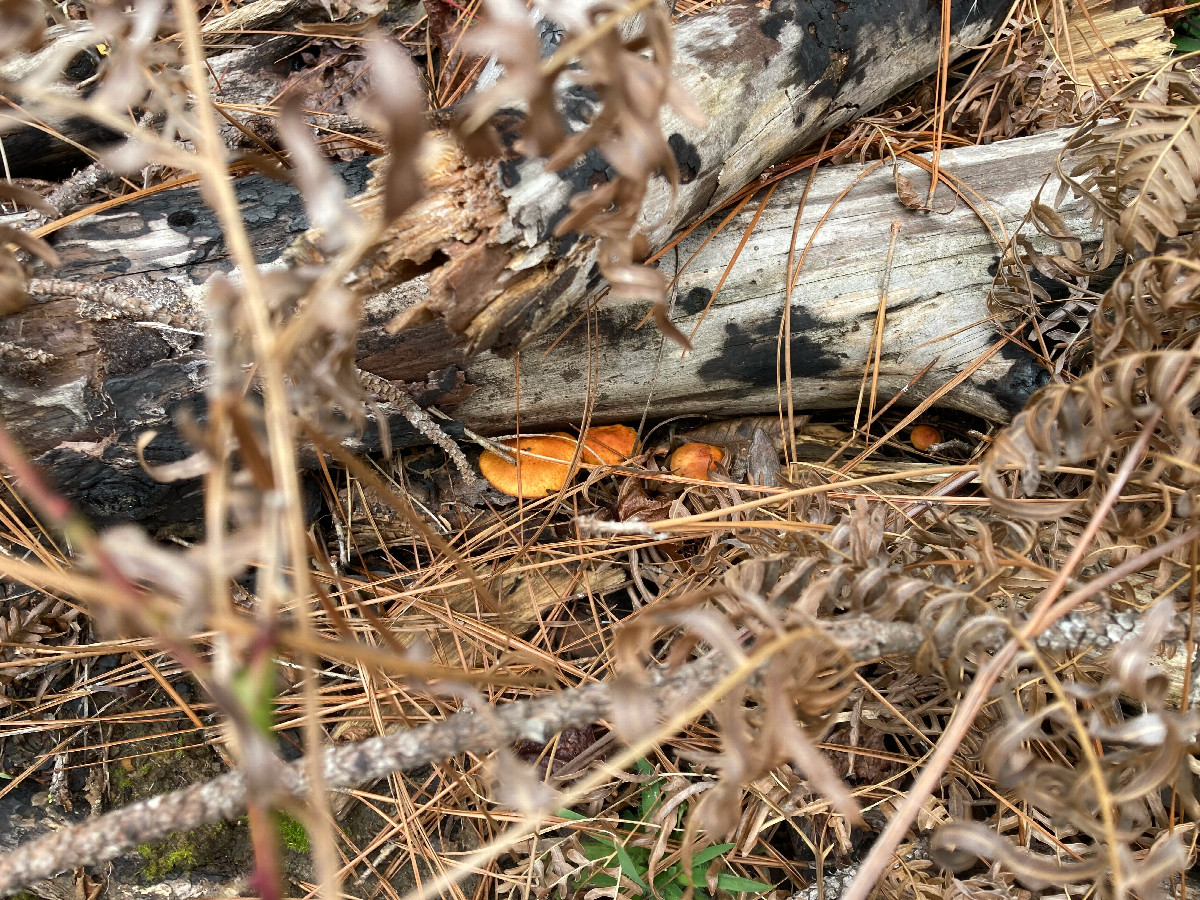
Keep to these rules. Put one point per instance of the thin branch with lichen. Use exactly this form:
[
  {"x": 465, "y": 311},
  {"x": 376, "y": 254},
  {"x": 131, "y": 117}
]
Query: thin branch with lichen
[{"x": 349, "y": 765}]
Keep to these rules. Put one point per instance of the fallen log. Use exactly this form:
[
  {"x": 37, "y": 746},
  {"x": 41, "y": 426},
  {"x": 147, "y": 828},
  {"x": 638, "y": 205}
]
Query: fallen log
[
  {"x": 115, "y": 348},
  {"x": 770, "y": 77},
  {"x": 937, "y": 321},
  {"x": 936, "y": 317}
]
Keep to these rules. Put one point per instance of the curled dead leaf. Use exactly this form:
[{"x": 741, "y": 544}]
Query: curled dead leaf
[{"x": 905, "y": 192}]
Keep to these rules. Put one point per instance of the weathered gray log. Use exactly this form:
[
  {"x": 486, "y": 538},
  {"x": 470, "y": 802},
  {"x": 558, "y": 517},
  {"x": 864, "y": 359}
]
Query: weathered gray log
[
  {"x": 771, "y": 78},
  {"x": 937, "y": 312},
  {"x": 80, "y": 380}
]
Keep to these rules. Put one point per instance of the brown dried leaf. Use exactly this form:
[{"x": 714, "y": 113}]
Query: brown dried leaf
[
  {"x": 631, "y": 77},
  {"x": 397, "y": 106},
  {"x": 324, "y": 192},
  {"x": 22, "y": 24},
  {"x": 905, "y": 192}
]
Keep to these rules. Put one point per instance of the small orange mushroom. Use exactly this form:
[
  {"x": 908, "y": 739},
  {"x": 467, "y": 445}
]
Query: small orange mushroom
[
  {"x": 537, "y": 477},
  {"x": 695, "y": 460},
  {"x": 610, "y": 444},
  {"x": 924, "y": 436}
]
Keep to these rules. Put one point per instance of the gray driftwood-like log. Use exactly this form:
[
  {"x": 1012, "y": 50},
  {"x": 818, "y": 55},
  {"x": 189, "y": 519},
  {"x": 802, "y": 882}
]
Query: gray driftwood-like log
[
  {"x": 771, "y": 78},
  {"x": 85, "y": 372},
  {"x": 937, "y": 313}
]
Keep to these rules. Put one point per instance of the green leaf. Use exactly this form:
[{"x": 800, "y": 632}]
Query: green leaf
[
  {"x": 666, "y": 876},
  {"x": 597, "y": 849},
  {"x": 671, "y": 892},
  {"x": 628, "y": 869},
  {"x": 602, "y": 881},
  {"x": 570, "y": 814},
  {"x": 254, "y": 687},
  {"x": 651, "y": 792},
  {"x": 649, "y": 800},
  {"x": 738, "y": 884},
  {"x": 708, "y": 854}
]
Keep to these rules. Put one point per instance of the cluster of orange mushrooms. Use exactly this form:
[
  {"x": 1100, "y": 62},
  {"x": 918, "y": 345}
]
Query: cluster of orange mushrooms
[
  {"x": 541, "y": 464},
  {"x": 545, "y": 459}
]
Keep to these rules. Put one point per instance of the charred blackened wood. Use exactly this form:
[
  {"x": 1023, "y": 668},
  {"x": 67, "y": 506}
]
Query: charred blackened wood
[
  {"x": 86, "y": 370},
  {"x": 938, "y": 328}
]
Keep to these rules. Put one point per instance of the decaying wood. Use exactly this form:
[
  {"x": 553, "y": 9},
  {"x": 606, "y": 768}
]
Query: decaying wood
[
  {"x": 83, "y": 377},
  {"x": 771, "y": 77},
  {"x": 97, "y": 363},
  {"x": 937, "y": 314},
  {"x": 246, "y": 79}
]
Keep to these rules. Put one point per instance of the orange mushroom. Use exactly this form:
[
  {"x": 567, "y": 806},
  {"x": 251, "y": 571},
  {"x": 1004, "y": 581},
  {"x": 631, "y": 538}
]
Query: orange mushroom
[
  {"x": 695, "y": 460},
  {"x": 538, "y": 477},
  {"x": 610, "y": 444},
  {"x": 924, "y": 436}
]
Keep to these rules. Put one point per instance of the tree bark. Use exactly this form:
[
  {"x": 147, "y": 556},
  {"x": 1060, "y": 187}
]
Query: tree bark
[
  {"x": 88, "y": 369},
  {"x": 937, "y": 277}
]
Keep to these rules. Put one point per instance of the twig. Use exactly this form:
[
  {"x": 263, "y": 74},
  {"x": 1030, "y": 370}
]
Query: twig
[
  {"x": 421, "y": 420},
  {"x": 150, "y": 302},
  {"x": 831, "y": 886},
  {"x": 77, "y": 190}
]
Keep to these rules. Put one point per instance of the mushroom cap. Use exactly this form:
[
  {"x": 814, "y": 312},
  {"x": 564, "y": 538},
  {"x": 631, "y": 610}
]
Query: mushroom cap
[
  {"x": 924, "y": 436},
  {"x": 695, "y": 460},
  {"x": 610, "y": 444},
  {"x": 538, "y": 477}
]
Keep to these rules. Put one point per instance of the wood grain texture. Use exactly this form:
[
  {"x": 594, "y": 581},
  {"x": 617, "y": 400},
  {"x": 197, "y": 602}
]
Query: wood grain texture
[
  {"x": 937, "y": 311},
  {"x": 770, "y": 80}
]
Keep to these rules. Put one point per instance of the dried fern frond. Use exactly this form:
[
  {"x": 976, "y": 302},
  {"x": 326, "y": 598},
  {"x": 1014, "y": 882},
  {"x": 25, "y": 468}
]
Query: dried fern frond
[
  {"x": 1111, "y": 832},
  {"x": 1142, "y": 171},
  {"x": 1054, "y": 63},
  {"x": 1139, "y": 175},
  {"x": 1153, "y": 305},
  {"x": 1093, "y": 423},
  {"x": 628, "y": 72}
]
